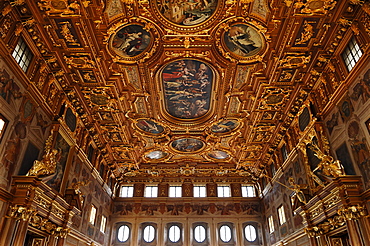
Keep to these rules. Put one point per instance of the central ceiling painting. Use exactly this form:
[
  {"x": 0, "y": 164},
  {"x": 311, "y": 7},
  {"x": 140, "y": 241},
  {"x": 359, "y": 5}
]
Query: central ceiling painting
[
  {"x": 187, "y": 88},
  {"x": 187, "y": 13}
]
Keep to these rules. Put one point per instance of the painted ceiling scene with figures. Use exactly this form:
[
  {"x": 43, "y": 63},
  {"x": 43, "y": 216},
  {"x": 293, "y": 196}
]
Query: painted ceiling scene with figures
[{"x": 187, "y": 88}]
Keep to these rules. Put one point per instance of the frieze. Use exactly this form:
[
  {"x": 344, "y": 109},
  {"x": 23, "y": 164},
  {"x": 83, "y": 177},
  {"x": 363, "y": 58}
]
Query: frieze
[{"x": 199, "y": 209}]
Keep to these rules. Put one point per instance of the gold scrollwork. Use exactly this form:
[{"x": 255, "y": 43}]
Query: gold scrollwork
[
  {"x": 306, "y": 34},
  {"x": 325, "y": 227},
  {"x": 274, "y": 98},
  {"x": 21, "y": 213},
  {"x": 59, "y": 7},
  {"x": 65, "y": 30},
  {"x": 353, "y": 212},
  {"x": 187, "y": 54},
  {"x": 295, "y": 61},
  {"x": 79, "y": 62},
  {"x": 314, "y": 7}
]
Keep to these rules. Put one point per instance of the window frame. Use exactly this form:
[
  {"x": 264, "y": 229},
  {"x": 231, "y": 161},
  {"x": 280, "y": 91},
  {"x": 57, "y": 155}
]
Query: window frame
[
  {"x": 180, "y": 236},
  {"x": 4, "y": 126},
  {"x": 151, "y": 191},
  {"x": 129, "y": 192},
  {"x": 351, "y": 54},
  {"x": 231, "y": 241},
  {"x": 205, "y": 242},
  {"x": 103, "y": 223},
  {"x": 271, "y": 225},
  {"x": 177, "y": 191},
  {"x": 22, "y": 54},
  {"x": 245, "y": 235},
  {"x": 281, "y": 215},
  {"x": 142, "y": 240},
  {"x": 92, "y": 216},
  {"x": 223, "y": 188},
  {"x": 129, "y": 232},
  {"x": 199, "y": 193},
  {"x": 245, "y": 192}
]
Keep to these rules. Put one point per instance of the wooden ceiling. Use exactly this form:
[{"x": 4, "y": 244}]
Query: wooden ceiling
[{"x": 170, "y": 88}]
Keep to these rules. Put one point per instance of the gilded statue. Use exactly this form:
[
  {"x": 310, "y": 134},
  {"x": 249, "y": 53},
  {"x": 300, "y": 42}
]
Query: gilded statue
[
  {"x": 297, "y": 189},
  {"x": 48, "y": 163},
  {"x": 327, "y": 165}
]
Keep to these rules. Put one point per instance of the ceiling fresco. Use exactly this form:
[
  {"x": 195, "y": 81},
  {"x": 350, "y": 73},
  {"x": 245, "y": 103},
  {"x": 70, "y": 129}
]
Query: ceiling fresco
[
  {"x": 187, "y": 13},
  {"x": 185, "y": 88}
]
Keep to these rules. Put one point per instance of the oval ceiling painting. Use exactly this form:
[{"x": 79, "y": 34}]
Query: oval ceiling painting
[
  {"x": 243, "y": 40},
  {"x": 149, "y": 126},
  {"x": 187, "y": 13},
  {"x": 225, "y": 126},
  {"x": 187, "y": 88},
  {"x": 187, "y": 145},
  {"x": 156, "y": 155},
  {"x": 218, "y": 154},
  {"x": 130, "y": 41}
]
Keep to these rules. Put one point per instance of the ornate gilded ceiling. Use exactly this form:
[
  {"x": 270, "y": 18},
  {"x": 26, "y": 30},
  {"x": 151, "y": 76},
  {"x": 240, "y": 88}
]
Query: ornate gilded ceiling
[{"x": 186, "y": 88}]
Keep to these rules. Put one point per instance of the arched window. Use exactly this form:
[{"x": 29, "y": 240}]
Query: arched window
[
  {"x": 225, "y": 233},
  {"x": 174, "y": 233},
  {"x": 123, "y": 233},
  {"x": 250, "y": 233},
  {"x": 149, "y": 234}
]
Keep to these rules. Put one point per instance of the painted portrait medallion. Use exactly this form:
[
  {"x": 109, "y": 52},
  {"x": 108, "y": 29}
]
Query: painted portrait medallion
[
  {"x": 225, "y": 126},
  {"x": 243, "y": 40},
  {"x": 156, "y": 155},
  {"x": 187, "y": 13},
  {"x": 187, "y": 88},
  {"x": 149, "y": 126},
  {"x": 130, "y": 41},
  {"x": 218, "y": 154},
  {"x": 187, "y": 145}
]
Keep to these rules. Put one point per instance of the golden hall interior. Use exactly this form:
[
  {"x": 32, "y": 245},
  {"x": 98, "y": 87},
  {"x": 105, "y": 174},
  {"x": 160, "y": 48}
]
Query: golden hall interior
[{"x": 184, "y": 122}]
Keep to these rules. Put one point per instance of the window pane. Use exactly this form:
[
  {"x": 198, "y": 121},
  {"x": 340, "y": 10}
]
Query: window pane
[
  {"x": 200, "y": 234},
  {"x": 22, "y": 54},
  {"x": 92, "y": 214},
  {"x": 123, "y": 233},
  {"x": 223, "y": 191},
  {"x": 151, "y": 191},
  {"x": 200, "y": 191},
  {"x": 271, "y": 224},
  {"x": 225, "y": 233},
  {"x": 281, "y": 215},
  {"x": 250, "y": 233},
  {"x": 174, "y": 233},
  {"x": 103, "y": 223},
  {"x": 149, "y": 234},
  {"x": 3, "y": 123},
  {"x": 248, "y": 191},
  {"x": 127, "y": 191},
  {"x": 351, "y": 54},
  {"x": 175, "y": 191}
]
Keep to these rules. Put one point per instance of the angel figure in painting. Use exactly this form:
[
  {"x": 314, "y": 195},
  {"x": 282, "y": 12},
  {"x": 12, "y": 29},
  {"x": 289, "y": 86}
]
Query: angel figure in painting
[
  {"x": 131, "y": 41},
  {"x": 243, "y": 40}
]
